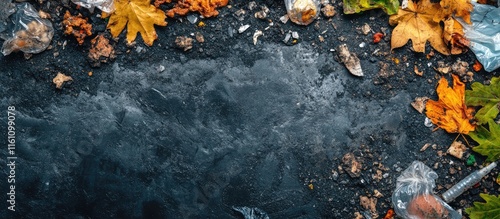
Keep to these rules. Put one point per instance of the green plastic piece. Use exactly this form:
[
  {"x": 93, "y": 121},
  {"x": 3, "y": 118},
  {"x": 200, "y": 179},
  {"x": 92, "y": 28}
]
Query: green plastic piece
[
  {"x": 471, "y": 160},
  {"x": 356, "y": 6}
]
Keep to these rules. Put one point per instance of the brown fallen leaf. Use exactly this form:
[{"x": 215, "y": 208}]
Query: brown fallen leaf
[
  {"x": 419, "y": 103},
  {"x": 350, "y": 60},
  {"x": 100, "y": 51},
  {"x": 139, "y": 16},
  {"x": 76, "y": 26},
  {"x": 416, "y": 22},
  {"x": 450, "y": 112},
  {"x": 60, "y": 79}
]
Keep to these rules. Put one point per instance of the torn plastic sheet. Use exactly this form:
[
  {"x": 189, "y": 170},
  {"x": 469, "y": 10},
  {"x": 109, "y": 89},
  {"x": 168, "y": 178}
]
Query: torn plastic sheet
[
  {"x": 251, "y": 213},
  {"x": 484, "y": 35},
  {"x": 26, "y": 31},
  {"x": 414, "y": 198},
  {"x": 107, "y": 6}
]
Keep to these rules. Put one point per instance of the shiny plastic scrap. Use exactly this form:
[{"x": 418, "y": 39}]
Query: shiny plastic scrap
[
  {"x": 27, "y": 32},
  {"x": 107, "y": 6},
  {"x": 413, "y": 197},
  {"x": 484, "y": 35},
  {"x": 302, "y": 12}
]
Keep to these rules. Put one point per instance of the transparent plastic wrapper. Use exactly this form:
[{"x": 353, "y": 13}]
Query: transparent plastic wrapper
[
  {"x": 484, "y": 35},
  {"x": 27, "y": 32},
  {"x": 302, "y": 12},
  {"x": 413, "y": 197},
  {"x": 104, "y": 5}
]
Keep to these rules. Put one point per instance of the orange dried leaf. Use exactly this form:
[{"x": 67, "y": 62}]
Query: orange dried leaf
[
  {"x": 458, "y": 8},
  {"x": 77, "y": 26},
  {"x": 204, "y": 7},
  {"x": 139, "y": 16},
  {"x": 416, "y": 23},
  {"x": 450, "y": 112}
]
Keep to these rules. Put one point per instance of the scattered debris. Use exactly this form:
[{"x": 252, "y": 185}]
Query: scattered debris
[
  {"x": 100, "y": 51},
  {"x": 366, "y": 29},
  {"x": 77, "y": 26},
  {"x": 383, "y": 74},
  {"x": 328, "y": 10},
  {"x": 377, "y": 194},
  {"x": 284, "y": 18},
  {"x": 60, "y": 79},
  {"x": 302, "y": 12},
  {"x": 199, "y": 37},
  {"x": 443, "y": 68},
  {"x": 369, "y": 204},
  {"x": 417, "y": 72},
  {"x": 426, "y": 145},
  {"x": 183, "y": 42},
  {"x": 310, "y": 186},
  {"x": 471, "y": 160},
  {"x": 256, "y": 35},
  {"x": 377, "y": 37},
  {"x": 262, "y": 14},
  {"x": 457, "y": 149},
  {"x": 287, "y": 37},
  {"x": 192, "y": 18},
  {"x": 358, "y": 215},
  {"x": 295, "y": 35},
  {"x": 243, "y": 28},
  {"x": 352, "y": 165},
  {"x": 350, "y": 60},
  {"x": 204, "y": 7},
  {"x": 419, "y": 103}
]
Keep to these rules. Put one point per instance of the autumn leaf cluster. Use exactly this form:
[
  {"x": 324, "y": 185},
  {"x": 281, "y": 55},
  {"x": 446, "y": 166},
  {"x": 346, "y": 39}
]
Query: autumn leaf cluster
[
  {"x": 434, "y": 22},
  {"x": 139, "y": 16}
]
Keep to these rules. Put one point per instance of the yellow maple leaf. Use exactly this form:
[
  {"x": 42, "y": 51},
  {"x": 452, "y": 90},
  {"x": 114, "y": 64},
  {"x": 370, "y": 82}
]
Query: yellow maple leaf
[
  {"x": 138, "y": 16},
  {"x": 450, "y": 112},
  {"x": 416, "y": 22},
  {"x": 459, "y": 8}
]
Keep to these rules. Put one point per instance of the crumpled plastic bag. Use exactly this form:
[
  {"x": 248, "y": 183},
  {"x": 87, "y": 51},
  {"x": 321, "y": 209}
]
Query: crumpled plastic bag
[
  {"x": 413, "y": 197},
  {"x": 484, "y": 35},
  {"x": 26, "y": 31},
  {"x": 302, "y": 12},
  {"x": 107, "y": 6}
]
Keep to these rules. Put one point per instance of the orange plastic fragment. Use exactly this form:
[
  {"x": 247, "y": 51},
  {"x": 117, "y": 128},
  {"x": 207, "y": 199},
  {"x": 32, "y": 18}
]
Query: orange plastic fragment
[
  {"x": 390, "y": 214},
  {"x": 477, "y": 66},
  {"x": 377, "y": 37}
]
